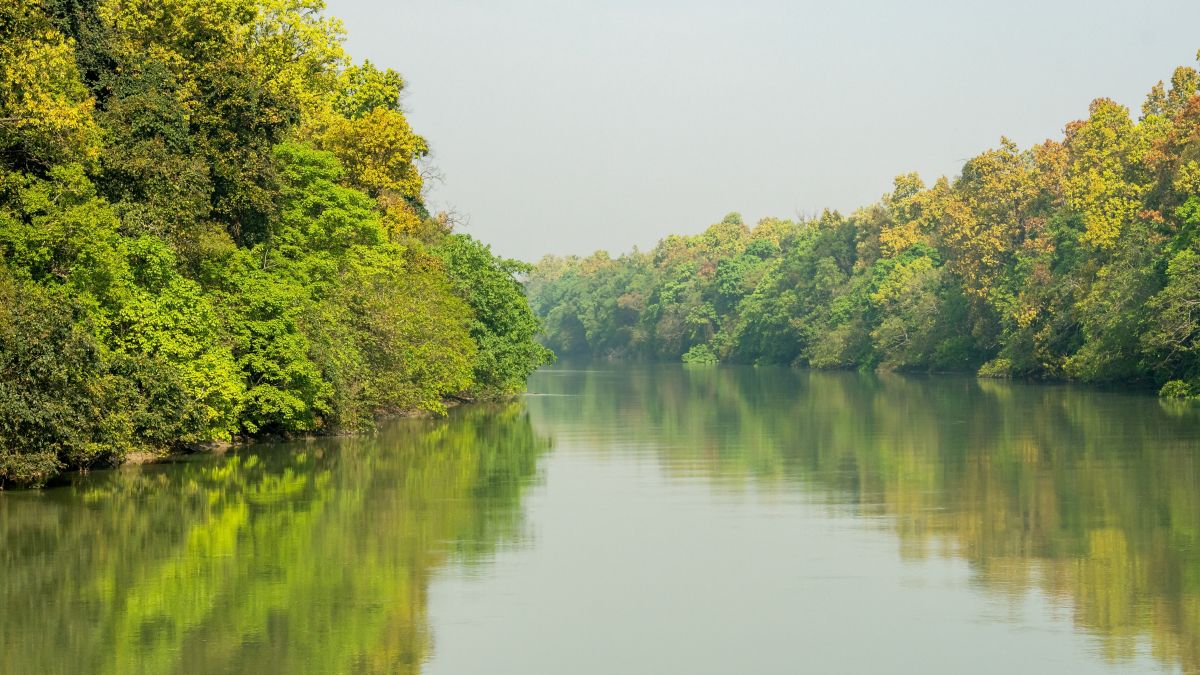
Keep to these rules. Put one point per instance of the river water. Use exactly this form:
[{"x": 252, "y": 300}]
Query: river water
[{"x": 641, "y": 519}]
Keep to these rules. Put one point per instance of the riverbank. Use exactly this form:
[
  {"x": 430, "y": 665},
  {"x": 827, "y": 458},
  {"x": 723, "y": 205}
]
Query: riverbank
[
  {"x": 220, "y": 447},
  {"x": 258, "y": 271},
  {"x": 1024, "y": 264},
  {"x": 175, "y": 454},
  {"x": 1137, "y": 386}
]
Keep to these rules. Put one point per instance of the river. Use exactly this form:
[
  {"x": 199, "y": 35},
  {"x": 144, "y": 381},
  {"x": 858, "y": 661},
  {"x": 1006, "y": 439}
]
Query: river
[{"x": 641, "y": 519}]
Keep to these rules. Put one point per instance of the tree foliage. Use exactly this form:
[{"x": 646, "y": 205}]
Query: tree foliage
[
  {"x": 211, "y": 225},
  {"x": 1072, "y": 259}
]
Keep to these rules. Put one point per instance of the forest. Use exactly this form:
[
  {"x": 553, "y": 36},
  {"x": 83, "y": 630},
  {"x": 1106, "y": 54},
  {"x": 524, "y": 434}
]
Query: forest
[
  {"x": 1076, "y": 259},
  {"x": 212, "y": 226}
]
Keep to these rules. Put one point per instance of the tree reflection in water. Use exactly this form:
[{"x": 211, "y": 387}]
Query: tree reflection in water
[
  {"x": 1091, "y": 497},
  {"x": 309, "y": 557}
]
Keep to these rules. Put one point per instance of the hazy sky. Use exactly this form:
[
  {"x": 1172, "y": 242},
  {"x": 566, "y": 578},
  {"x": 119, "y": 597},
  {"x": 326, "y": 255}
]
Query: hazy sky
[{"x": 563, "y": 126}]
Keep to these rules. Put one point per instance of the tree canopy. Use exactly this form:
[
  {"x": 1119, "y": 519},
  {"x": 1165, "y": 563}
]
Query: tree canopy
[
  {"x": 1073, "y": 259},
  {"x": 212, "y": 225}
]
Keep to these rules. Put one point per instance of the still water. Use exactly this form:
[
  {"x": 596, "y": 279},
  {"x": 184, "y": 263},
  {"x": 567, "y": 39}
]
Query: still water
[{"x": 641, "y": 520}]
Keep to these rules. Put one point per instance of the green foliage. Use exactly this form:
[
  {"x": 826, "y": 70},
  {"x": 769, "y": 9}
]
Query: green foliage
[
  {"x": 284, "y": 388},
  {"x": 333, "y": 325},
  {"x": 701, "y": 355},
  {"x": 1171, "y": 340},
  {"x": 211, "y": 225},
  {"x": 66, "y": 401},
  {"x": 1177, "y": 389},
  {"x": 365, "y": 88},
  {"x": 1075, "y": 259},
  {"x": 503, "y": 326},
  {"x": 45, "y": 109}
]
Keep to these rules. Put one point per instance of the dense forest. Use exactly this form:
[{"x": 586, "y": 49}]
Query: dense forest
[
  {"x": 211, "y": 226},
  {"x": 1075, "y": 259}
]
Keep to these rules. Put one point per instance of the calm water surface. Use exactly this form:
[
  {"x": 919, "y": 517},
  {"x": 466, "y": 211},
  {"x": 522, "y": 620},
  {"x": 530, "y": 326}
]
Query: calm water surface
[{"x": 641, "y": 520}]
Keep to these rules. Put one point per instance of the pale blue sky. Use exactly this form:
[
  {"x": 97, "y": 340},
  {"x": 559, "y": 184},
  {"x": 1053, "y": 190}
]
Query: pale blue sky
[{"x": 564, "y": 126}]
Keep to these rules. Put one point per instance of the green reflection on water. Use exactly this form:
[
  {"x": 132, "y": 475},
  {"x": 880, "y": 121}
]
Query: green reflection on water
[
  {"x": 310, "y": 557},
  {"x": 1091, "y": 497},
  {"x": 318, "y": 556}
]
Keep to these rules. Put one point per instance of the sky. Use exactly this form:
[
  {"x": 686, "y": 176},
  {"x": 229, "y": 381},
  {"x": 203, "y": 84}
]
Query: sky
[{"x": 566, "y": 126}]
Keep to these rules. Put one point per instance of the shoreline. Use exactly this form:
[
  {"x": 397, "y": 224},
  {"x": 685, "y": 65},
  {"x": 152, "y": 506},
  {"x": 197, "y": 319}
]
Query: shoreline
[{"x": 144, "y": 457}]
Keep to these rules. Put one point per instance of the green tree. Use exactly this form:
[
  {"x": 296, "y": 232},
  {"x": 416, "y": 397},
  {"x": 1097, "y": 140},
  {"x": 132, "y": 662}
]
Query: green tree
[{"x": 502, "y": 326}]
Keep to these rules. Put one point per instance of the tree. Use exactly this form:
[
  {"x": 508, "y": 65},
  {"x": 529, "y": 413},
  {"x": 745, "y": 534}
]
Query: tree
[{"x": 503, "y": 326}]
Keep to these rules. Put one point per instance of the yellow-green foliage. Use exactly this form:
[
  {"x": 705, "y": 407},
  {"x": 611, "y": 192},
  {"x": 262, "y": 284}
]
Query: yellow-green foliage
[
  {"x": 1106, "y": 150},
  {"x": 45, "y": 110},
  {"x": 224, "y": 214},
  {"x": 1074, "y": 258}
]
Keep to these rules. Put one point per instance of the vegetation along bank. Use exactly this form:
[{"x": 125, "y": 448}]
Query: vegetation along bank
[
  {"x": 1077, "y": 259},
  {"x": 212, "y": 225}
]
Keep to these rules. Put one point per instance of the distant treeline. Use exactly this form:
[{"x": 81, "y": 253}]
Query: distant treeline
[
  {"x": 1075, "y": 259},
  {"x": 211, "y": 224}
]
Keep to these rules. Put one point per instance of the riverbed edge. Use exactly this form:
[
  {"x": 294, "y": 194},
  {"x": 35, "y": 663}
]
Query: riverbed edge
[{"x": 219, "y": 447}]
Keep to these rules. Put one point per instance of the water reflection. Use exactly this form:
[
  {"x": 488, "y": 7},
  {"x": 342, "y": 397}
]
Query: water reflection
[
  {"x": 1090, "y": 497},
  {"x": 320, "y": 556},
  {"x": 311, "y": 557}
]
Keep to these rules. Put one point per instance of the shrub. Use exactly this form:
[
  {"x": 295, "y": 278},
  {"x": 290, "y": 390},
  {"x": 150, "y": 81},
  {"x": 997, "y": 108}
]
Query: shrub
[{"x": 1177, "y": 389}]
